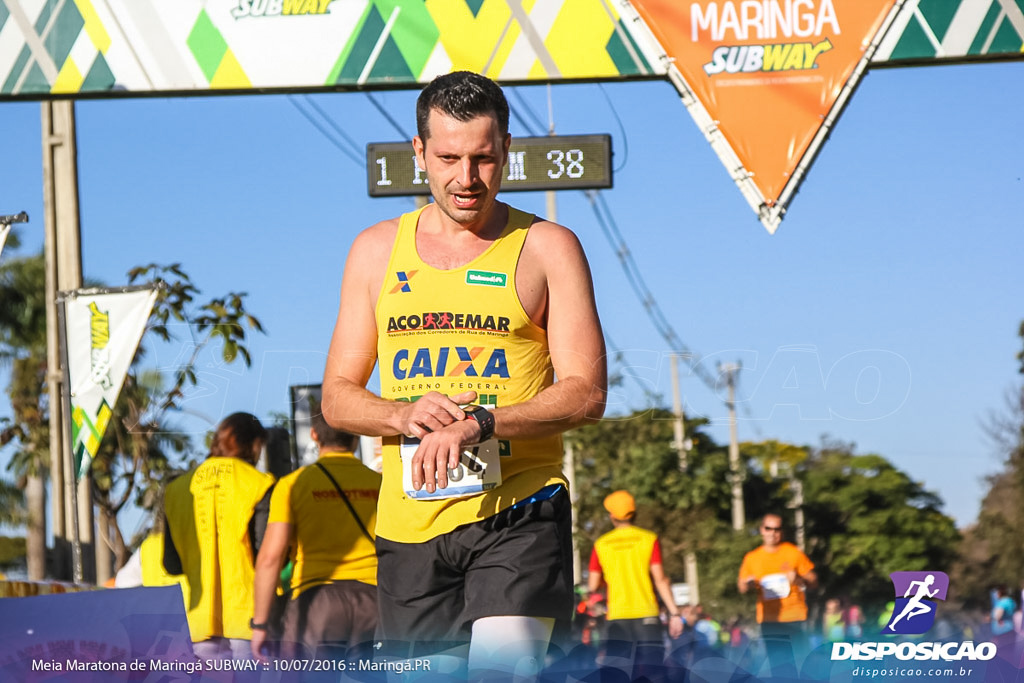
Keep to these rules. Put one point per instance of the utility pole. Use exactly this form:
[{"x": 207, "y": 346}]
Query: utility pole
[
  {"x": 72, "y": 507},
  {"x": 798, "y": 509},
  {"x": 680, "y": 444},
  {"x": 738, "y": 512}
]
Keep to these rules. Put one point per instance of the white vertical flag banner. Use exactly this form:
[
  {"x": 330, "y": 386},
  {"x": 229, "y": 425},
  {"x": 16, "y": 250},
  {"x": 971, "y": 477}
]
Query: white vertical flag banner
[
  {"x": 5, "y": 230},
  {"x": 102, "y": 331}
]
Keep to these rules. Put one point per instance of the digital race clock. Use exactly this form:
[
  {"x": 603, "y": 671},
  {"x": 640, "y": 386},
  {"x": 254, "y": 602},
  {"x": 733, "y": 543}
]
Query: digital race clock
[{"x": 555, "y": 162}]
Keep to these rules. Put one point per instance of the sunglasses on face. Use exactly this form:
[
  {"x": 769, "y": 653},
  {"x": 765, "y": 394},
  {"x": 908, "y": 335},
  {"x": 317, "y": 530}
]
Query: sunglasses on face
[{"x": 771, "y": 528}]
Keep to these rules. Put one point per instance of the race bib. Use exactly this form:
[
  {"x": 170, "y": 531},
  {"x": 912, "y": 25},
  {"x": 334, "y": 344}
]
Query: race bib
[
  {"x": 775, "y": 586},
  {"x": 479, "y": 470}
]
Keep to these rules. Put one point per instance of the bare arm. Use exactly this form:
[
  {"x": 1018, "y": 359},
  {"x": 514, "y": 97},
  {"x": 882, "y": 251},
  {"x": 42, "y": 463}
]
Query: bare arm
[
  {"x": 555, "y": 259},
  {"x": 268, "y": 570},
  {"x": 663, "y": 585}
]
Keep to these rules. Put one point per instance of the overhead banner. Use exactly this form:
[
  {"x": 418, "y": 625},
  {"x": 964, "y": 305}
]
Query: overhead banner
[
  {"x": 765, "y": 78},
  {"x": 928, "y": 32},
  {"x": 101, "y": 332},
  {"x": 124, "y": 47}
]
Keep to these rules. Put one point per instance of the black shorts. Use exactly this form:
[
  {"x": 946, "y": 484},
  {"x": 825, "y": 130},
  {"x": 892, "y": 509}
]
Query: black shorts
[
  {"x": 646, "y": 630},
  {"x": 515, "y": 563}
]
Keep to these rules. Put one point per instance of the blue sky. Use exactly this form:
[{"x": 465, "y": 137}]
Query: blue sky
[{"x": 883, "y": 312}]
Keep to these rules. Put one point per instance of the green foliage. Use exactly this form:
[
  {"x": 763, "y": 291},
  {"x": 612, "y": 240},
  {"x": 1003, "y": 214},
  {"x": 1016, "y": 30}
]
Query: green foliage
[
  {"x": 991, "y": 552},
  {"x": 12, "y": 551},
  {"x": 23, "y": 347},
  {"x": 865, "y": 519},
  {"x": 12, "y": 504}
]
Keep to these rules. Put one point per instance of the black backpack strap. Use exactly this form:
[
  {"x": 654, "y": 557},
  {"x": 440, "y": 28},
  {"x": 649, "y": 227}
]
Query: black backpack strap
[{"x": 344, "y": 499}]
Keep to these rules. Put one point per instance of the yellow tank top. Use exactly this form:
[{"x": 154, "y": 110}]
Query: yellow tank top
[
  {"x": 453, "y": 331},
  {"x": 208, "y": 513},
  {"x": 625, "y": 557}
]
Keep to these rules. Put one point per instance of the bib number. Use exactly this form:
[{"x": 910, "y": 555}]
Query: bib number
[{"x": 479, "y": 470}]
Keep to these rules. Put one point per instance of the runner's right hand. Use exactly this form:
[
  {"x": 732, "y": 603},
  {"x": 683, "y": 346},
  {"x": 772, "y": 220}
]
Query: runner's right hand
[{"x": 432, "y": 412}]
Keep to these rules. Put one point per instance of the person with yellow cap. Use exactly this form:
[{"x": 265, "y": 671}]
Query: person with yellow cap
[{"x": 628, "y": 560}]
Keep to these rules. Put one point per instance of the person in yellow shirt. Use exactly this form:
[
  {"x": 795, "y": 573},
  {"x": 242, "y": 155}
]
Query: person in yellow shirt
[
  {"x": 628, "y": 560},
  {"x": 320, "y": 518},
  {"x": 212, "y": 526},
  {"x": 484, "y": 322},
  {"x": 780, "y": 573}
]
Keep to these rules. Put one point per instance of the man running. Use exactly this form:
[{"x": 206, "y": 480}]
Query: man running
[{"x": 473, "y": 528}]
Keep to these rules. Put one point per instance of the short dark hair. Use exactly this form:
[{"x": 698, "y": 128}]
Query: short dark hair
[
  {"x": 462, "y": 95},
  {"x": 246, "y": 429},
  {"x": 326, "y": 435}
]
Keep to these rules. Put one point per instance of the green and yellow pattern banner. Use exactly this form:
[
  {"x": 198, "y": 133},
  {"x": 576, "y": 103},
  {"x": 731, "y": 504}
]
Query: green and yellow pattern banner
[
  {"x": 119, "y": 47},
  {"x": 935, "y": 31}
]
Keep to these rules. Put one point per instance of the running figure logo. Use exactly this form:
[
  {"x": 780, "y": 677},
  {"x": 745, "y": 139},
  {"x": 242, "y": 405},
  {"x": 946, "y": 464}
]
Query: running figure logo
[{"x": 914, "y": 612}]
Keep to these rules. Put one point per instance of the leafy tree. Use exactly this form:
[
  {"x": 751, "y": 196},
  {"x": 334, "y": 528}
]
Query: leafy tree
[
  {"x": 991, "y": 552},
  {"x": 865, "y": 519},
  {"x": 27, "y": 431},
  {"x": 12, "y": 551},
  {"x": 12, "y": 504},
  {"x": 133, "y": 458}
]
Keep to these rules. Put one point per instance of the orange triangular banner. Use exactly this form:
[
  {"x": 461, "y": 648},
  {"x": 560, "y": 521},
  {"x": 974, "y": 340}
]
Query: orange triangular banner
[{"x": 767, "y": 71}]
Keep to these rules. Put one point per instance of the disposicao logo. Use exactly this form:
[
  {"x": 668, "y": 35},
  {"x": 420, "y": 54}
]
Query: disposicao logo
[
  {"x": 916, "y": 595},
  {"x": 913, "y": 613}
]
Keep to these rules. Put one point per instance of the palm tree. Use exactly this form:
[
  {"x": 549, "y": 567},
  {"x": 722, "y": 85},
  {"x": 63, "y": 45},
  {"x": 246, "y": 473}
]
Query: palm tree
[{"x": 23, "y": 348}]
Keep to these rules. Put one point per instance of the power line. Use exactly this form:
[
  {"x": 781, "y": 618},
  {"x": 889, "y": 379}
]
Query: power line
[
  {"x": 356, "y": 147},
  {"x": 387, "y": 115},
  {"x": 622, "y": 130},
  {"x": 526, "y": 107},
  {"x": 347, "y": 151},
  {"x": 633, "y": 274}
]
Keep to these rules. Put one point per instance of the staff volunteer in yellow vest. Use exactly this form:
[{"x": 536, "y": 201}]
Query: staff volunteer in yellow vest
[
  {"x": 469, "y": 300},
  {"x": 628, "y": 560},
  {"x": 332, "y": 594},
  {"x": 212, "y": 515}
]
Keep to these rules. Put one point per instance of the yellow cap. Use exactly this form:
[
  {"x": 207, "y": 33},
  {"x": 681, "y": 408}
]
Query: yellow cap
[{"x": 620, "y": 505}]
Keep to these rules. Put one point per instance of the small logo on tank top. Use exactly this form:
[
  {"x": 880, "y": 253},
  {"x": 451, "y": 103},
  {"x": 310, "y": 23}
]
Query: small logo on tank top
[
  {"x": 403, "y": 281},
  {"x": 487, "y": 278}
]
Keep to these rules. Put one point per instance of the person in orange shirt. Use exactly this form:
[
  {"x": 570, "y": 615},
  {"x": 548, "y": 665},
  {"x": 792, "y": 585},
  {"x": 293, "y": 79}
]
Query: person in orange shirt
[{"x": 780, "y": 573}]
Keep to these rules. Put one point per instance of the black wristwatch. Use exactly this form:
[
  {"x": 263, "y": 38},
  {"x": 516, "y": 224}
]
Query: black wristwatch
[
  {"x": 258, "y": 627},
  {"x": 484, "y": 418}
]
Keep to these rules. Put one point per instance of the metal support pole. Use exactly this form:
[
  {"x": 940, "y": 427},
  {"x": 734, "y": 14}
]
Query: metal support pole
[
  {"x": 738, "y": 512},
  {"x": 678, "y": 417},
  {"x": 63, "y": 272}
]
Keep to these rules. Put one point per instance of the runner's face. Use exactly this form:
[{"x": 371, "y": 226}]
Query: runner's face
[
  {"x": 771, "y": 531},
  {"x": 464, "y": 161}
]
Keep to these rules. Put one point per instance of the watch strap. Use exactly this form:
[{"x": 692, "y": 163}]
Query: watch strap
[{"x": 484, "y": 418}]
